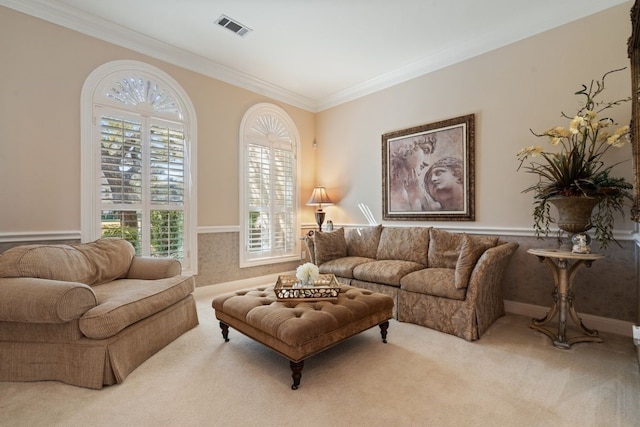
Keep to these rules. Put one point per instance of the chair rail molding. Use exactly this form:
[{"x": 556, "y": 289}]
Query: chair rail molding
[{"x": 34, "y": 236}]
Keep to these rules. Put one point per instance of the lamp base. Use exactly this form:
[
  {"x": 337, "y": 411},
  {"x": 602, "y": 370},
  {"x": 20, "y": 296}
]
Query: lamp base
[{"x": 320, "y": 218}]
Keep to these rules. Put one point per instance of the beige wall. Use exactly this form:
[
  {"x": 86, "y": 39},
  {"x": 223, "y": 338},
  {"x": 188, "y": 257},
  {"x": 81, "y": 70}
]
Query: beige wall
[
  {"x": 43, "y": 69},
  {"x": 510, "y": 90}
]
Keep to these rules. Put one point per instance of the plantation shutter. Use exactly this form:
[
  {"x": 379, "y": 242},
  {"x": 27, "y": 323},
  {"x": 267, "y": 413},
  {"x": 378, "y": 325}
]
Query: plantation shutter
[
  {"x": 283, "y": 201},
  {"x": 142, "y": 165},
  {"x": 268, "y": 177},
  {"x": 167, "y": 187},
  {"x": 259, "y": 224},
  {"x": 271, "y": 200}
]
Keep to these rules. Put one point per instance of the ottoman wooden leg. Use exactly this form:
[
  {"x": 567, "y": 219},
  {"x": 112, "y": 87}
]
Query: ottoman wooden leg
[
  {"x": 225, "y": 331},
  {"x": 383, "y": 330},
  {"x": 296, "y": 369}
]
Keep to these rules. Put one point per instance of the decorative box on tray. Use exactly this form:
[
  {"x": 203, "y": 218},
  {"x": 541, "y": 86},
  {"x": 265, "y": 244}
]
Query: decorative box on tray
[{"x": 325, "y": 288}]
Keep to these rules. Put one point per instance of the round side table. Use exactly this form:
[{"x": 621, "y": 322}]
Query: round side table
[{"x": 564, "y": 266}]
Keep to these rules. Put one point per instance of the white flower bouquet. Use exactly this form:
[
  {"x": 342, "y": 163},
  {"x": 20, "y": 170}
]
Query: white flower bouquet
[{"x": 307, "y": 273}]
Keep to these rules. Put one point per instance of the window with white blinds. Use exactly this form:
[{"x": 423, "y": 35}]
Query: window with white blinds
[
  {"x": 142, "y": 186},
  {"x": 140, "y": 142},
  {"x": 269, "y": 214}
]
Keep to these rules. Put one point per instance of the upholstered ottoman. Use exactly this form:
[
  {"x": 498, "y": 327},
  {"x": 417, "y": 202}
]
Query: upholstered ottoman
[{"x": 298, "y": 330}]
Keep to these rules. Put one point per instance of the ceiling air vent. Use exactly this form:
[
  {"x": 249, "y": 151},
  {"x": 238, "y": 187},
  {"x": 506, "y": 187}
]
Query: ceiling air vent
[{"x": 232, "y": 25}]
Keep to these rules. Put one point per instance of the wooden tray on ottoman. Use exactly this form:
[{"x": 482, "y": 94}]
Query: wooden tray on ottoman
[{"x": 326, "y": 288}]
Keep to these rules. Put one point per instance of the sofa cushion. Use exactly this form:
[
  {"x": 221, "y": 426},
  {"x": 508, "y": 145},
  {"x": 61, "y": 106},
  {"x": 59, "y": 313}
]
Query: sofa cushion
[
  {"x": 471, "y": 251},
  {"x": 363, "y": 241},
  {"x": 405, "y": 244},
  {"x": 444, "y": 248},
  {"x": 329, "y": 246},
  {"x": 90, "y": 263},
  {"x": 439, "y": 282},
  {"x": 53, "y": 262},
  {"x": 388, "y": 272},
  {"x": 125, "y": 301},
  {"x": 109, "y": 257},
  {"x": 343, "y": 267}
]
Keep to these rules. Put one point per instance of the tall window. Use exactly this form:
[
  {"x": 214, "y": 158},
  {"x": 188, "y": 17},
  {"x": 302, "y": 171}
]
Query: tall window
[
  {"x": 138, "y": 141},
  {"x": 269, "y": 220}
]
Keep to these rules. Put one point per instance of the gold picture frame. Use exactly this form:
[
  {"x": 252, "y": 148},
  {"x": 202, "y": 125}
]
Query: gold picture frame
[{"x": 428, "y": 171}]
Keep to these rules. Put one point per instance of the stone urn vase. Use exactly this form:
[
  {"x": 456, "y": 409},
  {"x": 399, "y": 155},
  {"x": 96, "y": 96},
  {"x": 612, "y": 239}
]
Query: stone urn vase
[{"x": 574, "y": 212}]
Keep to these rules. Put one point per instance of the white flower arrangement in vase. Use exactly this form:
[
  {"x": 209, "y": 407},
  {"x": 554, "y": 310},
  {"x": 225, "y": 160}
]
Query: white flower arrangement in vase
[{"x": 307, "y": 273}]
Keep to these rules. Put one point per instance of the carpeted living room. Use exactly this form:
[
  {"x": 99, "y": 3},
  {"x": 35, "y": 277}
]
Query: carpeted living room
[
  {"x": 269, "y": 214},
  {"x": 512, "y": 376}
]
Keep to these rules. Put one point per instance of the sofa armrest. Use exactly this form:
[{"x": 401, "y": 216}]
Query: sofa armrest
[
  {"x": 485, "y": 285},
  {"x": 33, "y": 300},
  {"x": 153, "y": 268}
]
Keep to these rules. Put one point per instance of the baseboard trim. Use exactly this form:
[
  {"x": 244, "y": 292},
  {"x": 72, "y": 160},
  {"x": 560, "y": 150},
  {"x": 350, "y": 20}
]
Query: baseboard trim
[
  {"x": 604, "y": 324},
  {"x": 614, "y": 326}
]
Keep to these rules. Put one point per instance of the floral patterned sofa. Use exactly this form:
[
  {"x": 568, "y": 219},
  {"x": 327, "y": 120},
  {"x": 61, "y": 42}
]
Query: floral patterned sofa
[{"x": 446, "y": 281}]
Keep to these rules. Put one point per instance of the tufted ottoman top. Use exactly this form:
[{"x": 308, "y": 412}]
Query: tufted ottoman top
[{"x": 300, "y": 329}]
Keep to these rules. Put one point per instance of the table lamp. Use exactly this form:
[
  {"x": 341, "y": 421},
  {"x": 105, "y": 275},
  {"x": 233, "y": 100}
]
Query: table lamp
[{"x": 318, "y": 198}]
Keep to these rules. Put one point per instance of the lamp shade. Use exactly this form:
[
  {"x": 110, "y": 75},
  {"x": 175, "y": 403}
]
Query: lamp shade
[{"x": 319, "y": 197}]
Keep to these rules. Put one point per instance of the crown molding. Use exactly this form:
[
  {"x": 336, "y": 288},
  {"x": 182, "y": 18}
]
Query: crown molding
[
  {"x": 446, "y": 56},
  {"x": 84, "y": 23},
  {"x": 73, "y": 19}
]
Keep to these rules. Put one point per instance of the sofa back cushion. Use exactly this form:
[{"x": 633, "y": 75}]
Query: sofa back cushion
[
  {"x": 90, "y": 263},
  {"x": 404, "y": 244},
  {"x": 110, "y": 258},
  {"x": 363, "y": 241},
  {"x": 470, "y": 252},
  {"x": 445, "y": 247},
  {"x": 329, "y": 246},
  {"x": 53, "y": 262}
]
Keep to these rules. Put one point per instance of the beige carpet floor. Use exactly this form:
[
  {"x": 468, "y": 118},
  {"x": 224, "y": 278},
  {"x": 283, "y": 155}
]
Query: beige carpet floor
[{"x": 513, "y": 376}]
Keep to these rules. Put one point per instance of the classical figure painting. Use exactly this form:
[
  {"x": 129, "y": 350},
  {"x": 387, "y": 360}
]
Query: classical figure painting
[{"x": 428, "y": 172}]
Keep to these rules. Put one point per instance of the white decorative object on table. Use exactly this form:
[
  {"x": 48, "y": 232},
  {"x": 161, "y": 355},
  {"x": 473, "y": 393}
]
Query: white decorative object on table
[
  {"x": 307, "y": 273},
  {"x": 581, "y": 243}
]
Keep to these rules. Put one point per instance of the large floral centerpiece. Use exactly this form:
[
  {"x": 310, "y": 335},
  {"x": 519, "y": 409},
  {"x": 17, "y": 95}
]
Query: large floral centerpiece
[{"x": 573, "y": 165}]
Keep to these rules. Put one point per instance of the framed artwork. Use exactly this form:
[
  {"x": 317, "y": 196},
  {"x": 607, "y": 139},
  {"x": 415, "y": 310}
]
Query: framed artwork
[{"x": 428, "y": 172}]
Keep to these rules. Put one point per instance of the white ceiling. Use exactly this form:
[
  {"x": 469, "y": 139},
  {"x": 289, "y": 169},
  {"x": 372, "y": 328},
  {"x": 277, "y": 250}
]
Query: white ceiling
[{"x": 313, "y": 53}]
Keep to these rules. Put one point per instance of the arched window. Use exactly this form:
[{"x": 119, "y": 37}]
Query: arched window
[
  {"x": 269, "y": 219},
  {"x": 138, "y": 168}
]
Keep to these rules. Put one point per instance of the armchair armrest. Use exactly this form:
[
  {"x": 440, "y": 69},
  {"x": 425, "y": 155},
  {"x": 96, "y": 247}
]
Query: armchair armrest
[
  {"x": 32, "y": 300},
  {"x": 152, "y": 268}
]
